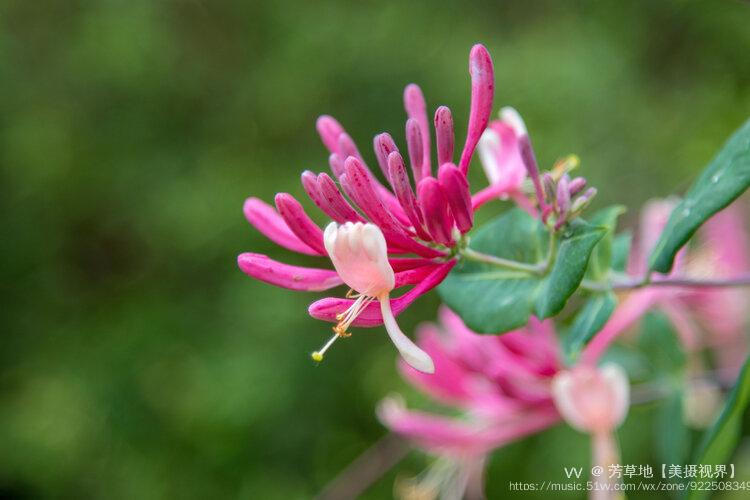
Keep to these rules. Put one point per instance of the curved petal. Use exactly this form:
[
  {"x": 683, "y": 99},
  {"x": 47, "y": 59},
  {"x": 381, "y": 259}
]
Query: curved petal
[{"x": 276, "y": 273}]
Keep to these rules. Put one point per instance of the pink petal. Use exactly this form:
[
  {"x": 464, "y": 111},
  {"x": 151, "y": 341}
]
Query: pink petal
[
  {"x": 276, "y": 273},
  {"x": 456, "y": 189},
  {"x": 435, "y": 210},
  {"x": 335, "y": 201},
  {"x": 405, "y": 195},
  {"x": 414, "y": 144},
  {"x": 482, "y": 90},
  {"x": 327, "y": 309},
  {"x": 444, "y": 135},
  {"x": 417, "y": 110},
  {"x": 298, "y": 221},
  {"x": 265, "y": 219}
]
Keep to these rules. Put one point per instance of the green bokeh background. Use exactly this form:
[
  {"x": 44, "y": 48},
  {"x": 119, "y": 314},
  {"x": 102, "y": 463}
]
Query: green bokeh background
[{"x": 136, "y": 360}]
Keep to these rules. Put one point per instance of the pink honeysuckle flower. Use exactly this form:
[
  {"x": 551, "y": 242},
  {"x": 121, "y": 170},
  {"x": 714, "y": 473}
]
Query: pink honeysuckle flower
[
  {"x": 359, "y": 254},
  {"x": 704, "y": 318},
  {"x": 421, "y": 225},
  {"x": 595, "y": 401},
  {"x": 501, "y": 384},
  {"x": 592, "y": 400}
]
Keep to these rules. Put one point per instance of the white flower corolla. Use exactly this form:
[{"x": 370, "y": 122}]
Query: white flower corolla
[{"x": 359, "y": 253}]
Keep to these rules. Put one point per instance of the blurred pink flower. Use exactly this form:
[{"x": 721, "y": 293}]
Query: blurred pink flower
[{"x": 501, "y": 383}]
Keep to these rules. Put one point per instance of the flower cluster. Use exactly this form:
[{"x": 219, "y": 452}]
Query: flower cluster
[{"x": 420, "y": 230}]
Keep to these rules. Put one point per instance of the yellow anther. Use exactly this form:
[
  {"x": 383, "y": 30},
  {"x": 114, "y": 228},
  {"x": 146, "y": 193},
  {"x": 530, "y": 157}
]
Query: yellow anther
[{"x": 317, "y": 356}]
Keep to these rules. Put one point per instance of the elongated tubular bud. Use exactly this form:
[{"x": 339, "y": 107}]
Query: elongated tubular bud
[
  {"x": 562, "y": 201},
  {"x": 455, "y": 187},
  {"x": 482, "y": 91},
  {"x": 299, "y": 222},
  {"x": 416, "y": 108},
  {"x": 529, "y": 160},
  {"x": 576, "y": 186},
  {"x": 266, "y": 220},
  {"x": 582, "y": 201},
  {"x": 329, "y": 130},
  {"x": 337, "y": 164},
  {"x": 444, "y": 135},
  {"x": 310, "y": 185},
  {"x": 563, "y": 196},
  {"x": 548, "y": 183},
  {"x": 348, "y": 148},
  {"x": 335, "y": 201},
  {"x": 404, "y": 194},
  {"x": 414, "y": 146},
  {"x": 435, "y": 210},
  {"x": 383, "y": 145}
]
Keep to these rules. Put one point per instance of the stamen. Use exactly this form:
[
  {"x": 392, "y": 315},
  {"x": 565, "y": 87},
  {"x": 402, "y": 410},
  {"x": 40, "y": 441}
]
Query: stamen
[
  {"x": 318, "y": 355},
  {"x": 345, "y": 319}
]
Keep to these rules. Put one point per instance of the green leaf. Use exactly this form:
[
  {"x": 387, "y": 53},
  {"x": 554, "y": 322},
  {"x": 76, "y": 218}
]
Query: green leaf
[
  {"x": 492, "y": 299},
  {"x": 589, "y": 320},
  {"x": 723, "y": 180},
  {"x": 575, "y": 247},
  {"x": 720, "y": 440},
  {"x": 601, "y": 258}
]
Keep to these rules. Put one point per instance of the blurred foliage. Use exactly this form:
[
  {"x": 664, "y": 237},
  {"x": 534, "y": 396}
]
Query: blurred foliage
[{"x": 137, "y": 361}]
